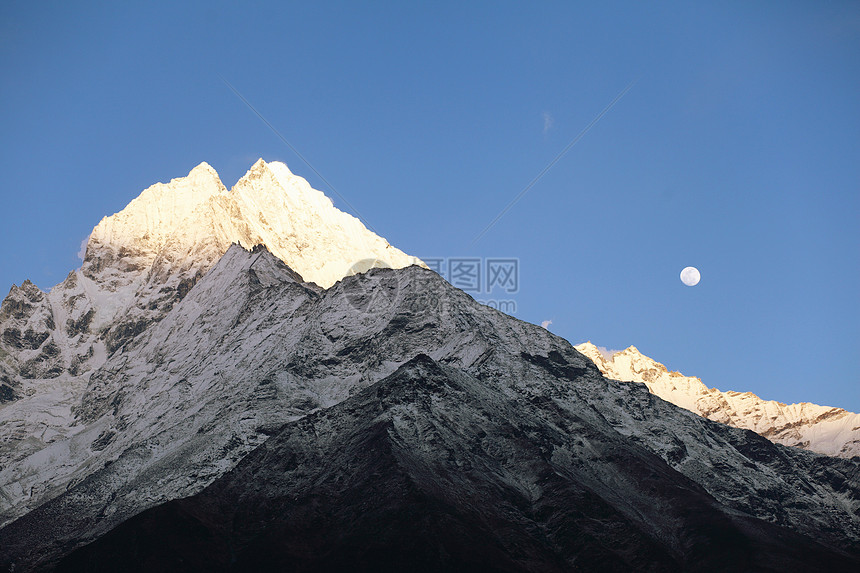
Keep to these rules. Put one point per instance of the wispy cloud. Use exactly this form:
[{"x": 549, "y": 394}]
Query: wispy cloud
[
  {"x": 82, "y": 252},
  {"x": 607, "y": 353},
  {"x": 546, "y": 324},
  {"x": 548, "y": 122}
]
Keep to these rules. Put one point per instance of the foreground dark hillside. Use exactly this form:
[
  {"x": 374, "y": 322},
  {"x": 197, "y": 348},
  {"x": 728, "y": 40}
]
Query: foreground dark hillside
[{"x": 432, "y": 469}]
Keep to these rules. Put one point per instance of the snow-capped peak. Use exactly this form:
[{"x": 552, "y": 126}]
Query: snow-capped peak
[
  {"x": 143, "y": 260},
  {"x": 147, "y": 222},
  {"x": 830, "y": 431},
  {"x": 192, "y": 220}
]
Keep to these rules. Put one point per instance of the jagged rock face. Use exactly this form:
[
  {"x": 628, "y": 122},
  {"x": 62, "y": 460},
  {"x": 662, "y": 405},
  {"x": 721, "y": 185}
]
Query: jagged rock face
[
  {"x": 36, "y": 392},
  {"x": 830, "y": 431},
  {"x": 25, "y": 339},
  {"x": 500, "y": 430}
]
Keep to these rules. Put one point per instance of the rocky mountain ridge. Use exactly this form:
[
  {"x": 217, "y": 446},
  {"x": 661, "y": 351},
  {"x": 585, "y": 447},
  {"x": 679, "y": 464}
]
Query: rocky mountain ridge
[{"x": 821, "y": 429}]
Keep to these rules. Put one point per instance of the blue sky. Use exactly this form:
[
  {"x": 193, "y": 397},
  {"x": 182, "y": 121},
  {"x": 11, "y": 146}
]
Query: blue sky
[{"x": 736, "y": 151}]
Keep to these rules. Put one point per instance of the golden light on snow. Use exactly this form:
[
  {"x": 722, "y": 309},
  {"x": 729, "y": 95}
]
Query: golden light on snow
[{"x": 690, "y": 276}]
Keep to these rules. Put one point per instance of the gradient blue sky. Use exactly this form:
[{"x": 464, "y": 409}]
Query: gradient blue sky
[{"x": 737, "y": 151}]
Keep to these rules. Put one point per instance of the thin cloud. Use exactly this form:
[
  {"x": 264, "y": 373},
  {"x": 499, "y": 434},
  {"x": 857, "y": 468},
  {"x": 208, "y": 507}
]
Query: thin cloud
[
  {"x": 546, "y": 324},
  {"x": 82, "y": 252},
  {"x": 607, "y": 353},
  {"x": 548, "y": 122}
]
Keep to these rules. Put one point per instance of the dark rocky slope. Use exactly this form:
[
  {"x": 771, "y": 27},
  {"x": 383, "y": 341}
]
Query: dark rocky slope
[{"x": 432, "y": 469}]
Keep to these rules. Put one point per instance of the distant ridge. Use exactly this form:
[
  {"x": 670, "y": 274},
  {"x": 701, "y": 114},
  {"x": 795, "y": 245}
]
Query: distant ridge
[{"x": 821, "y": 429}]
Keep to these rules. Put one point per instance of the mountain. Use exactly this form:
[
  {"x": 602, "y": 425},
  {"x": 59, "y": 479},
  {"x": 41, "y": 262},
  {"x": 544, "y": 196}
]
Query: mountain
[
  {"x": 830, "y": 431},
  {"x": 139, "y": 264},
  {"x": 256, "y": 420}
]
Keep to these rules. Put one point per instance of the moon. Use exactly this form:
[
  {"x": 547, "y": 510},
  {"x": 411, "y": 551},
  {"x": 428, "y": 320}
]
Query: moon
[{"x": 690, "y": 276}]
